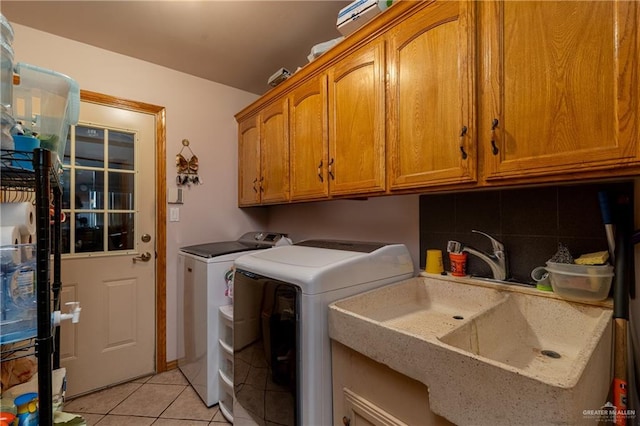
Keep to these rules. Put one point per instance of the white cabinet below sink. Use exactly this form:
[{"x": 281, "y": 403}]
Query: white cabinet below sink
[{"x": 366, "y": 393}]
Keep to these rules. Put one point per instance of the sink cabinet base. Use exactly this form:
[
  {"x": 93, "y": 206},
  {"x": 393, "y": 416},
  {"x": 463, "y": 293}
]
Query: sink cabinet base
[{"x": 369, "y": 393}]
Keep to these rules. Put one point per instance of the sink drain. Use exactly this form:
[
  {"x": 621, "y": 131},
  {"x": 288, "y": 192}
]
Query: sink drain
[
  {"x": 550, "y": 354},
  {"x": 458, "y": 317}
]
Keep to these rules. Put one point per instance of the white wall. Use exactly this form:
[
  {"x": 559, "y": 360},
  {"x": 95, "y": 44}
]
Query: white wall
[
  {"x": 196, "y": 109},
  {"x": 393, "y": 219}
]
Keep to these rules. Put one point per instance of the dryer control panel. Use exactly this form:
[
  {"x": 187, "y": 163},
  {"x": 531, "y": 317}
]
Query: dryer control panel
[{"x": 262, "y": 238}]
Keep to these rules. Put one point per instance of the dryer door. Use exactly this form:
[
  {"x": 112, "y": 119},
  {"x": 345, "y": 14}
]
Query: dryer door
[{"x": 266, "y": 349}]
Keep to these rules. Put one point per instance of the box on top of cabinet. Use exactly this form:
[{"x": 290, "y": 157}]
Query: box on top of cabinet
[{"x": 358, "y": 13}]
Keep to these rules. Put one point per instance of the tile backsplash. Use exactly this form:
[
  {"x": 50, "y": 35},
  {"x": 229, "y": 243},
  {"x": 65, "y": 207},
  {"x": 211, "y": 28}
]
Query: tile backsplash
[{"x": 530, "y": 222}]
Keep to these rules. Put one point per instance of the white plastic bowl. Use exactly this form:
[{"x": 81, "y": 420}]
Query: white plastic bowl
[{"x": 580, "y": 283}]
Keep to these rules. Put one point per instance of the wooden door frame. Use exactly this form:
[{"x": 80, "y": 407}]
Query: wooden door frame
[{"x": 161, "y": 210}]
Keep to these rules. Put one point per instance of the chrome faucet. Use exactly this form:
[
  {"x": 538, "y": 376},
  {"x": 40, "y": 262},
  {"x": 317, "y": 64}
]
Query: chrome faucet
[{"x": 497, "y": 261}]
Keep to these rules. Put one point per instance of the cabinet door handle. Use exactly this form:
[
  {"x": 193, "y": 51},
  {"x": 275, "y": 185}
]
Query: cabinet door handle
[
  {"x": 331, "y": 170},
  {"x": 346, "y": 421},
  {"x": 254, "y": 185},
  {"x": 463, "y": 133},
  {"x": 261, "y": 187},
  {"x": 320, "y": 172},
  {"x": 494, "y": 147}
]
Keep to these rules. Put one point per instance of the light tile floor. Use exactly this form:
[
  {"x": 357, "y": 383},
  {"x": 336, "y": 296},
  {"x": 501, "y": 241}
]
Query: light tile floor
[{"x": 165, "y": 399}]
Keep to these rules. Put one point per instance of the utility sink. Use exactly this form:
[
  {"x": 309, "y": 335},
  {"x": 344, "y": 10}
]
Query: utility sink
[
  {"x": 507, "y": 354},
  {"x": 544, "y": 338},
  {"x": 423, "y": 307}
]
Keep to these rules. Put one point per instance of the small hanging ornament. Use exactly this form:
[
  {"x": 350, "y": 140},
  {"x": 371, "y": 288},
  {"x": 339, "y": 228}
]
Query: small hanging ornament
[{"x": 187, "y": 168}]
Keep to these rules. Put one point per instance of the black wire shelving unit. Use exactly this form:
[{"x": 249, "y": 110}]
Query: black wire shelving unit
[{"x": 44, "y": 181}]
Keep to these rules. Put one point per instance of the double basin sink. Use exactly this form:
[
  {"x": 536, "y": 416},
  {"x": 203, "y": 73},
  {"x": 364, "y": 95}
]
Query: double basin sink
[{"x": 489, "y": 354}]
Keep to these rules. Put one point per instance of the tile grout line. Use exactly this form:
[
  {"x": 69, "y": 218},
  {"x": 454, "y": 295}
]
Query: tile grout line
[
  {"x": 154, "y": 419},
  {"x": 123, "y": 400},
  {"x": 189, "y": 419},
  {"x": 174, "y": 400}
]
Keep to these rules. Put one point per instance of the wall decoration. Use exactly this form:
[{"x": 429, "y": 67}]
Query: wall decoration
[{"x": 187, "y": 168}]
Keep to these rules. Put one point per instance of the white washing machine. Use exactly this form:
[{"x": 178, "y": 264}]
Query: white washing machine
[
  {"x": 202, "y": 290},
  {"x": 280, "y": 326}
]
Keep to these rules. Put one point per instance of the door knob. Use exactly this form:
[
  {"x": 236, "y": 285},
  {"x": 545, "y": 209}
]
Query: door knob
[{"x": 144, "y": 257}]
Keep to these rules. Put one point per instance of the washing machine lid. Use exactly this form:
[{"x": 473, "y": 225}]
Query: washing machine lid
[
  {"x": 220, "y": 248},
  {"x": 318, "y": 270},
  {"x": 255, "y": 240}
]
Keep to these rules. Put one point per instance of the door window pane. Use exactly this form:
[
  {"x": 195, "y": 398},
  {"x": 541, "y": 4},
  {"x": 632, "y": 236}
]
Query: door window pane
[
  {"x": 89, "y": 189},
  {"x": 65, "y": 228},
  {"x": 121, "y": 150},
  {"x": 66, "y": 189},
  {"x": 121, "y": 231},
  {"x": 67, "y": 151},
  {"x": 89, "y": 232},
  {"x": 121, "y": 191},
  {"x": 99, "y": 192},
  {"x": 89, "y": 146}
]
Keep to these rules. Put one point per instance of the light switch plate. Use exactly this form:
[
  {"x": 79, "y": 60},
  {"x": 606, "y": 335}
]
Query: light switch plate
[{"x": 174, "y": 214}]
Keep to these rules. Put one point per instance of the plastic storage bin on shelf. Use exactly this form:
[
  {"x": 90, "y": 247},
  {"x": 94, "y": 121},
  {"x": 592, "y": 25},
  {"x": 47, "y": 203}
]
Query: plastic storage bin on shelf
[
  {"x": 225, "y": 369},
  {"x": 6, "y": 74},
  {"x": 18, "y": 311},
  {"x": 580, "y": 283},
  {"x": 226, "y": 363},
  {"x": 46, "y": 103},
  {"x": 6, "y": 30},
  {"x": 226, "y": 398},
  {"x": 6, "y": 124},
  {"x": 6, "y": 64}
]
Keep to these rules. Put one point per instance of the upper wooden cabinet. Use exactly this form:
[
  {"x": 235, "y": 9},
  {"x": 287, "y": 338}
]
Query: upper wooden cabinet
[
  {"x": 559, "y": 91},
  {"x": 248, "y": 161},
  {"x": 263, "y": 156},
  {"x": 446, "y": 95},
  {"x": 274, "y": 152},
  {"x": 356, "y": 122},
  {"x": 336, "y": 127},
  {"x": 431, "y": 104},
  {"x": 308, "y": 141}
]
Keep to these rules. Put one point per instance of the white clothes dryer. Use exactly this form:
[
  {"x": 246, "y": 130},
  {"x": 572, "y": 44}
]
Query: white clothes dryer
[{"x": 282, "y": 356}]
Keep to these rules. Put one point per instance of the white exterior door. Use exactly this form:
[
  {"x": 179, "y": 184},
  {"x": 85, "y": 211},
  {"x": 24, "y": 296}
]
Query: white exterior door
[{"x": 109, "y": 242}]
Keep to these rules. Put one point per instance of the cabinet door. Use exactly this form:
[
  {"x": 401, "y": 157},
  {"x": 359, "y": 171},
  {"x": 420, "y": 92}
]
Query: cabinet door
[
  {"x": 274, "y": 152},
  {"x": 431, "y": 97},
  {"x": 366, "y": 392},
  {"x": 560, "y": 86},
  {"x": 308, "y": 140},
  {"x": 362, "y": 412},
  {"x": 356, "y": 122},
  {"x": 248, "y": 161}
]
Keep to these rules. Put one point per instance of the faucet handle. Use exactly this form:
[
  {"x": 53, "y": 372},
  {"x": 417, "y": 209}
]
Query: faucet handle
[{"x": 497, "y": 245}]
